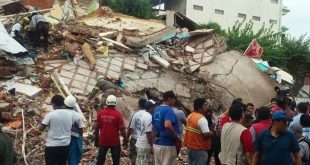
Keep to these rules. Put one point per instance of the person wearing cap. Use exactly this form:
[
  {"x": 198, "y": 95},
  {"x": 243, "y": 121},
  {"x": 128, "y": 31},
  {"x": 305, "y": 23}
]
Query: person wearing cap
[
  {"x": 264, "y": 122},
  {"x": 166, "y": 131},
  {"x": 133, "y": 129},
  {"x": 110, "y": 122},
  {"x": 107, "y": 87},
  {"x": 76, "y": 143},
  {"x": 277, "y": 145},
  {"x": 236, "y": 140},
  {"x": 40, "y": 27},
  {"x": 59, "y": 123},
  {"x": 303, "y": 144},
  {"x": 197, "y": 137},
  {"x": 17, "y": 29},
  {"x": 144, "y": 142}
]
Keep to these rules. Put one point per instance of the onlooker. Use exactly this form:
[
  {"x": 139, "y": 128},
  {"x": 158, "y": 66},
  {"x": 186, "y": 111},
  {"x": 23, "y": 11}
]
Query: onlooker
[
  {"x": 197, "y": 137},
  {"x": 302, "y": 109},
  {"x": 276, "y": 145},
  {"x": 144, "y": 135},
  {"x": 224, "y": 118},
  {"x": 132, "y": 131},
  {"x": 110, "y": 123},
  {"x": 303, "y": 144},
  {"x": 7, "y": 153},
  {"x": 215, "y": 139},
  {"x": 41, "y": 26},
  {"x": 250, "y": 110},
  {"x": 305, "y": 123},
  {"x": 59, "y": 123},
  {"x": 76, "y": 143},
  {"x": 264, "y": 122},
  {"x": 181, "y": 118},
  {"x": 236, "y": 140},
  {"x": 273, "y": 104},
  {"x": 247, "y": 121},
  {"x": 166, "y": 131}
]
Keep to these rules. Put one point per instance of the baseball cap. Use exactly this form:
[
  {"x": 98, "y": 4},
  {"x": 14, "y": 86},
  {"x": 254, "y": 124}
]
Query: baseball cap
[
  {"x": 296, "y": 128},
  {"x": 149, "y": 103},
  {"x": 280, "y": 115}
]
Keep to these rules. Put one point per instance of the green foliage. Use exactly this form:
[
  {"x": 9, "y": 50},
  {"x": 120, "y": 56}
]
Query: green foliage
[
  {"x": 137, "y": 8},
  {"x": 290, "y": 54},
  {"x": 212, "y": 25}
]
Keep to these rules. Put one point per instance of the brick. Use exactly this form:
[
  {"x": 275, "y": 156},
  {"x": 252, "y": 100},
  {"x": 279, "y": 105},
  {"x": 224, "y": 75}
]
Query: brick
[
  {"x": 81, "y": 78},
  {"x": 67, "y": 74},
  {"x": 114, "y": 75},
  {"x": 78, "y": 84},
  {"x": 115, "y": 68},
  {"x": 129, "y": 67},
  {"x": 83, "y": 71},
  {"x": 116, "y": 62},
  {"x": 131, "y": 62},
  {"x": 142, "y": 66}
]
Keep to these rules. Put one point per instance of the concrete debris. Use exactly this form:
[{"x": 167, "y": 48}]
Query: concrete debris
[
  {"x": 29, "y": 90},
  {"x": 189, "y": 49},
  {"x": 86, "y": 49}
]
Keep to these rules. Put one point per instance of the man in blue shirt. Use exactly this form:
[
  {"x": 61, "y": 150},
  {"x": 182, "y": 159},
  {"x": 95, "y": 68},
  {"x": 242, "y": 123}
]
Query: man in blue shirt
[
  {"x": 276, "y": 144},
  {"x": 166, "y": 131}
]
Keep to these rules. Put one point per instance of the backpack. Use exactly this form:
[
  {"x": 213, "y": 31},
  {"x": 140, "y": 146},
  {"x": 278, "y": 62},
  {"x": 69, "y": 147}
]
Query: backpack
[{"x": 307, "y": 140}]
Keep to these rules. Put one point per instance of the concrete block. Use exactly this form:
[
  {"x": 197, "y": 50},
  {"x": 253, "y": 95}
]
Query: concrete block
[
  {"x": 198, "y": 56},
  {"x": 67, "y": 74},
  {"x": 129, "y": 67},
  {"x": 113, "y": 75},
  {"x": 116, "y": 62},
  {"x": 142, "y": 66},
  {"x": 29, "y": 90},
  {"x": 131, "y": 62},
  {"x": 81, "y": 78},
  {"x": 83, "y": 71},
  {"x": 115, "y": 68}
]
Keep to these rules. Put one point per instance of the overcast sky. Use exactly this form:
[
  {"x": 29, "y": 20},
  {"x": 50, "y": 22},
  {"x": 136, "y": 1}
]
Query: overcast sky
[{"x": 298, "y": 19}]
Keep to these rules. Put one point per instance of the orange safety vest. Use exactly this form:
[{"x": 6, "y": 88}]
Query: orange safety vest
[{"x": 193, "y": 136}]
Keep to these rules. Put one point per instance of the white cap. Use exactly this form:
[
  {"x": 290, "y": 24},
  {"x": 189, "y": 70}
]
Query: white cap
[
  {"x": 70, "y": 101},
  {"x": 111, "y": 100},
  {"x": 99, "y": 78}
]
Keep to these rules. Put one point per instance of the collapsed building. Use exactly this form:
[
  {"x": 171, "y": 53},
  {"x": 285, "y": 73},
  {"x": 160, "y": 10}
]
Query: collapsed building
[{"x": 143, "y": 57}]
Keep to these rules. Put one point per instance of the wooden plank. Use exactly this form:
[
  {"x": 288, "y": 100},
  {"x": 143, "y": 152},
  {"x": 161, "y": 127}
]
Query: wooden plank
[
  {"x": 122, "y": 46},
  {"x": 86, "y": 49}
]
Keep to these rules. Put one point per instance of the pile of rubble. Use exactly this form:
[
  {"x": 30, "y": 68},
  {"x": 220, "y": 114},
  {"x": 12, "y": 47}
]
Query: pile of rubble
[{"x": 143, "y": 57}]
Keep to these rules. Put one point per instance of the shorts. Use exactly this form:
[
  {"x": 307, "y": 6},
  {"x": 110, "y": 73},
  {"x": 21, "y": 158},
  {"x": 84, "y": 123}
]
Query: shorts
[
  {"x": 144, "y": 156},
  {"x": 132, "y": 150}
]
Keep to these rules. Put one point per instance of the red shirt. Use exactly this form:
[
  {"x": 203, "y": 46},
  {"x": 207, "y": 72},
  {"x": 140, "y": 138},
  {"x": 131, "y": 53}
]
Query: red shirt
[
  {"x": 109, "y": 122},
  {"x": 224, "y": 119},
  {"x": 246, "y": 140},
  {"x": 261, "y": 126}
]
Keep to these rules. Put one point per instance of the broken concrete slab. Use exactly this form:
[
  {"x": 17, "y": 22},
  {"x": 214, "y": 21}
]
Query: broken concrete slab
[
  {"x": 161, "y": 61},
  {"x": 142, "y": 66},
  {"x": 149, "y": 75},
  {"x": 120, "y": 46},
  {"x": 189, "y": 49},
  {"x": 129, "y": 67},
  {"x": 193, "y": 65},
  {"x": 29, "y": 90}
]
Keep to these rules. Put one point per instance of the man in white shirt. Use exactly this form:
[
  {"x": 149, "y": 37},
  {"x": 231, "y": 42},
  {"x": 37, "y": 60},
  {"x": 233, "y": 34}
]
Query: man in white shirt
[
  {"x": 302, "y": 109},
  {"x": 59, "y": 123},
  {"x": 144, "y": 134},
  {"x": 17, "y": 28},
  {"x": 40, "y": 26}
]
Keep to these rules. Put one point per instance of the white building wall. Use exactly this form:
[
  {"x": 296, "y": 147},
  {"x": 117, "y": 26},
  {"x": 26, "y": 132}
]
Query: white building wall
[{"x": 264, "y": 9}]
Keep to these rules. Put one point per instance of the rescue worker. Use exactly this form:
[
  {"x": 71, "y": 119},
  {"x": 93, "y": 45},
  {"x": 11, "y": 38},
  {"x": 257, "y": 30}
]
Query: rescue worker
[
  {"x": 107, "y": 87},
  {"x": 40, "y": 26},
  {"x": 17, "y": 29}
]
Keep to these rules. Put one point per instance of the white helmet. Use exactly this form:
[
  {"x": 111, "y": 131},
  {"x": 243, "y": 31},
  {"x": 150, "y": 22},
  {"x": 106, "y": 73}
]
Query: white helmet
[
  {"x": 70, "y": 101},
  {"x": 111, "y": 100},
  {"x": 100, "y": 78}
]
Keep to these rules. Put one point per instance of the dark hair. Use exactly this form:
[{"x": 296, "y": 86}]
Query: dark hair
[
  {"x": 235, "y": 112},
  {"x": 305, "y": 120},
  {"x": 141, "y": 103},
  {"x": 250, "y": 104},
  {"x": 302, "y": 107},
  {"x": 167, "y": 95},
  {"x": 198, "y": 103},
  {"x": 57, "y": 100},
  {"x": 273, "y": 99},
  {"x": 238, "y": 101},
  {"x": 263, "y": 113}
]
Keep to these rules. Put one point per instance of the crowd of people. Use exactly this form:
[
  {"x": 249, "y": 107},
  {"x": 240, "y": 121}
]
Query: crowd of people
[{"x": 158, "y": 129}]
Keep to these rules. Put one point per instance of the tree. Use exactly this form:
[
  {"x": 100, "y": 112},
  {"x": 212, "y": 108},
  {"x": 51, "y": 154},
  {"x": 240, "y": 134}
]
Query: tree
[{"x": 138, "y": 8}]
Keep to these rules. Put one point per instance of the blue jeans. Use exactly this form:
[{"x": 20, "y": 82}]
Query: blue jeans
[
  {"x": 197, "y": 157},
  {"x": 75, "y": 150}
]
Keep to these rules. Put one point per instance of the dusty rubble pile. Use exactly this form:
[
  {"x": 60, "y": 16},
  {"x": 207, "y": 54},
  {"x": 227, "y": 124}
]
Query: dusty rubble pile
[{"x": 143, "y": 64}]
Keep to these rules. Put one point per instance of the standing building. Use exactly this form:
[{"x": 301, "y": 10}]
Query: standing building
[{"x": 227, "y": 12}]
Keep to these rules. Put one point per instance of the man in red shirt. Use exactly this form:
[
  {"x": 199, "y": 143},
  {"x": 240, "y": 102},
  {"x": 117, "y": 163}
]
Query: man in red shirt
[
  {"x": 110, "y": 123},
  {"x": 264, "y": 122}
]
